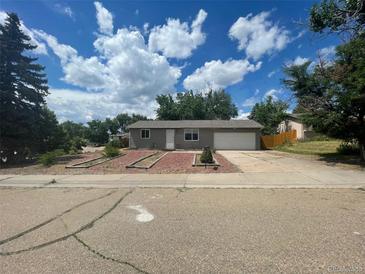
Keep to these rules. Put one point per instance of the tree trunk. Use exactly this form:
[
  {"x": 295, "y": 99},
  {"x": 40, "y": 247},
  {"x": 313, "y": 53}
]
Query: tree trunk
[{"x": 362, "y": 151}]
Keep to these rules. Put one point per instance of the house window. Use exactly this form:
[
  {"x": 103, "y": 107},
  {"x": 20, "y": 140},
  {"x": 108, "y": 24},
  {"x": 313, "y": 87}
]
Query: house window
[
  {"x": 191, "y": 134},
  {"x": 145, "y": 134}
]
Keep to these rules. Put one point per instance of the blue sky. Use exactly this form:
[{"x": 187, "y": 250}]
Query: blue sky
[{"x": 108, "y": 57}]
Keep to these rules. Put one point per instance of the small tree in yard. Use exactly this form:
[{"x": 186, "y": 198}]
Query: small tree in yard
[
  {"x": 206, "y": 157},
  {"x": 110, "y": 151}
]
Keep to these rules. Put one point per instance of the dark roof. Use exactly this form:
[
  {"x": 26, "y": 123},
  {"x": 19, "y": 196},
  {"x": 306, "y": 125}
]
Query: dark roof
[{"x": 196, "y": 124}]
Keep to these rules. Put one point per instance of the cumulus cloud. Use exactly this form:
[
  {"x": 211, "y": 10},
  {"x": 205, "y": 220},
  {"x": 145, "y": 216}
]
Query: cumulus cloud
[
  {"x": 251, "y": 101},
  {"x": 41, "y": 47},
  {"x": 104, "y": 18},
  {"x": 217, "y": 74},
  {"x": 77, "y": 106},
  {"x": 242, "y": 115},
  {"x": 257, "y": 35},
  {"x": 297, "y": 61},
  {"x": 176, "y": 39},
  {"x": 274, "y": 93},
  {"x": 123, "y": 76}
]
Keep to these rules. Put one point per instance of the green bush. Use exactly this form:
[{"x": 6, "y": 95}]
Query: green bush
[
  {"x": 206, "y": 157},
  {"x": 49, "y": 158},
  {"x": 348, "y": 148},
  {"x": 115, "y": 143},
  {"x": 110, "y": 151},
  {"x": 77, "y": 143}
]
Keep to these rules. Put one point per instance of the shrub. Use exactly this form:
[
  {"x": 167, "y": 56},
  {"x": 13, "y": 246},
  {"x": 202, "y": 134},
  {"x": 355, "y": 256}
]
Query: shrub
[
  {"x": 348, "y": 148},
  {"x": 49, "y": 158},
  {"x": 77, "y": 143},
  {"x": 115, "y": 143},
  {"x": 110, "y": 151},
  {"x": 206, "y": 157}
]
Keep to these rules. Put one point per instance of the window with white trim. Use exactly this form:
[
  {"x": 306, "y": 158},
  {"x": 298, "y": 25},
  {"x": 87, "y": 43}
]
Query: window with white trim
[
  {"x": 145, "y": 134},
  {"x": 191, "y": 134}
]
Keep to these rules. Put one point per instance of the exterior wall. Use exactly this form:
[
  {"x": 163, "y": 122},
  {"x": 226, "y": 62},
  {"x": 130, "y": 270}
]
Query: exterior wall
[
  {"x": 206, "y": 138},
  {"x": 157, "y": 139},
  {"x": 290, "y": 125}
]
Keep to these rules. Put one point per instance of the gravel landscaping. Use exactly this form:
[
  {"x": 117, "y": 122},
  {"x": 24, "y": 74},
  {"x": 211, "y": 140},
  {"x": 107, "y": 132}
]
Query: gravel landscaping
[{"x": 172, "y": 162}]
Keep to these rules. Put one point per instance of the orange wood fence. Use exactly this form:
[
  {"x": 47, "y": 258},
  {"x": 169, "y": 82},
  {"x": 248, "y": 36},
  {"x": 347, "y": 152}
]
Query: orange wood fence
[{"x": 270, "y": 141}]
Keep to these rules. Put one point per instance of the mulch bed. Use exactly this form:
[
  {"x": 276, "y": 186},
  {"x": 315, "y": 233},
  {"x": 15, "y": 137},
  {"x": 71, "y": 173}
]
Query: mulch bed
[
  {"x": 171, "y": 163},
  {"x": 182, "y": 163}
]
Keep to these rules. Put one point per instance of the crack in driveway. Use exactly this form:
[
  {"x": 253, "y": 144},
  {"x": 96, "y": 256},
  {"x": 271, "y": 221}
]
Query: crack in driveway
[
  {"x": 82, "y": 228},
  {"x": 104, "y": 257}
]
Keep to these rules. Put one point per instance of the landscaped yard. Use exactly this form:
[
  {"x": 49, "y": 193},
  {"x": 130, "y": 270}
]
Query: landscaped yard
[
  {"x": 172, "y": 162},
  {"x": 311, "y": 147}
]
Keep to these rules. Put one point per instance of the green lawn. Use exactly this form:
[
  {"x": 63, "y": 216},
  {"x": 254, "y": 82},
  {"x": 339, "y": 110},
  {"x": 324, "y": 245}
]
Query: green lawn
[{"x": 311, "y": 147}]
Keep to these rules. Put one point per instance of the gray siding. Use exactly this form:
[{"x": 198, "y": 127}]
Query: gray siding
[
  {"x": 157, "y": 139},
  {"x": 206, "y": 138}
]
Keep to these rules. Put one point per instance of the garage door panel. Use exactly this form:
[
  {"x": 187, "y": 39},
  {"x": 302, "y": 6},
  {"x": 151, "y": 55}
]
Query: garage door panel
[{"x": 235, "y": 140}]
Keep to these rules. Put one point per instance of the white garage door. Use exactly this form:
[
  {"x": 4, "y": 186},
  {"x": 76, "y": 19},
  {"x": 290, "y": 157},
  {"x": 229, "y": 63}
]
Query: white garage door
[{"x": 235, "y": 140}]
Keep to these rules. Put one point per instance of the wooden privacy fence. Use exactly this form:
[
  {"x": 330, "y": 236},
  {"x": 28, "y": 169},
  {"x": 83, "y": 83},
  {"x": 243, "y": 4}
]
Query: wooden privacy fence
[{"x": 270, "y": 141}]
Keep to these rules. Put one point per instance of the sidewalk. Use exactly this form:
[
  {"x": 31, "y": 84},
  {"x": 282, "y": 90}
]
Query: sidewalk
[{"x": 338, "y": 179}]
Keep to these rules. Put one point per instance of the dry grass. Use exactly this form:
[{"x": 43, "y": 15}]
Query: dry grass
[{"x": 311, "y": 147}]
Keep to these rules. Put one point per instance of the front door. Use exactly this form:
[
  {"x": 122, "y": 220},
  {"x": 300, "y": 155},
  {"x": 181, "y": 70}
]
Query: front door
[{"x": 170, "y": 139}]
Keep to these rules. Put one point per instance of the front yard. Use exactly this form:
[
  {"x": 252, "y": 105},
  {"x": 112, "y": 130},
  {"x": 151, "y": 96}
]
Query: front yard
[
  {"x": 324, "y": 151},
  {"x": 172, "y": 162},
  {"x": 311, "y": 147}
]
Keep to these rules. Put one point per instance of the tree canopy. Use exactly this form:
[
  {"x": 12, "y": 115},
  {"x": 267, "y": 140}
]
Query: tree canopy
[
  {"x": 332, "y": 93},
  {"x": 339, "y": 16},
  {"x": 196, "y": 106},
  {"x": 270, "y": 114}
]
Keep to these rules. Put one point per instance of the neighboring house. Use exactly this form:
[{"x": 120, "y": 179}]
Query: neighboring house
[
  {"x": 195, "y": 134},
  {"x": 119, "y": 136},
  {"x": 294, "y": 122}
]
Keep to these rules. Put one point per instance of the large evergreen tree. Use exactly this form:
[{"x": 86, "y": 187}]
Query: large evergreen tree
[{"x": 23, "y": 87}]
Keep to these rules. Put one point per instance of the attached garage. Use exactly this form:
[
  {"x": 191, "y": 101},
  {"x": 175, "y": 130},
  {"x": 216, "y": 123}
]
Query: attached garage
[{"x": 235, "y": 140}]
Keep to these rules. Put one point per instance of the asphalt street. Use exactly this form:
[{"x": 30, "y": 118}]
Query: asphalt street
[{"x": 181, "y": 230}]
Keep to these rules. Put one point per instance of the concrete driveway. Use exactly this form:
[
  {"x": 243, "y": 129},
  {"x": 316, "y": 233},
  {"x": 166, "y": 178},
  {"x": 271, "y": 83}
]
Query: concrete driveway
[
  {"x": 181, "y": 230},
  {"x": 275, "y": 167}
]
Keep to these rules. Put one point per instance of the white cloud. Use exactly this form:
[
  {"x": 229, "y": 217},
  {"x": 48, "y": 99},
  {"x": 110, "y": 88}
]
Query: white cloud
[
  {"x": 82, "y": 107},
  {"x": 104, "y": 18},
  {"x": 251, "y": 101},
  {"x": 274, "y": 93},
  {"x": 41, "y": 47},
  {"x": 217, "y": 74},
  {"x": 242, "y": 115},
  {"x": 297, "y": 61},
  {"x": 123, "y": 76},
  {"x": 327, "y": 53},
  {"x": 258, "y": 36},
  {"x": 66, "y": 10},
  {"x": 271, "y": 74},
  {"x": 176, "y": 39}
]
